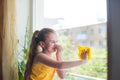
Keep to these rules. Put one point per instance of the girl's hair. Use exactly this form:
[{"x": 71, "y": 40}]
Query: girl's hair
[{"x": 36, "y": 38}]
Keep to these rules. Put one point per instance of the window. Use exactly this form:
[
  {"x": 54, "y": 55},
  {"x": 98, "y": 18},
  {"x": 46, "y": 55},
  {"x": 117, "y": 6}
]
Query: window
[
  {"x": 91, "y": 31},
  {"x": 76, "y": 25},
  {"x": 102, "y": 29},
  {"x": 91, "y": 43}
]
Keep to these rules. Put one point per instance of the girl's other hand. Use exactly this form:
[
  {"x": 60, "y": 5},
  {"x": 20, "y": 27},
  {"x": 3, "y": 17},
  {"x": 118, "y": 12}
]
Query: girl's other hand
[{"x": 58, "y": 48}]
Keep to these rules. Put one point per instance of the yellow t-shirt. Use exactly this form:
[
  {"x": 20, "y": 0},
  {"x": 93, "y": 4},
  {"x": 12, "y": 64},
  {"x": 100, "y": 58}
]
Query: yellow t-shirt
[{"x": 42, "y": 72}]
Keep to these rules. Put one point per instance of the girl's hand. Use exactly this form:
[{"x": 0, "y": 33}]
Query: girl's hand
[
  {"x": 58, "y": 52},
  {"x": 58, "y": 48},
  {"x": 84, "y": 55}
]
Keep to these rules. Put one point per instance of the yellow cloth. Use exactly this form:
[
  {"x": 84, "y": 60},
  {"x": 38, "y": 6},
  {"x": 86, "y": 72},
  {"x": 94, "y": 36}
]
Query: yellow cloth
[
  {"x": 42, "y": 72},
  {"x": 81, "y": 48}
]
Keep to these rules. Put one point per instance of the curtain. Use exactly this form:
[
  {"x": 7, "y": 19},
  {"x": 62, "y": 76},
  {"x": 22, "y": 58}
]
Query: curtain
[
  {"x": 1, "y": 28},
  {"x": 8, "y": 41}
]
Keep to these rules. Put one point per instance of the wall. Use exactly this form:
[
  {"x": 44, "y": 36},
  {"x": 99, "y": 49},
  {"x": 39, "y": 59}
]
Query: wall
[{"x": 24, "y": 17}]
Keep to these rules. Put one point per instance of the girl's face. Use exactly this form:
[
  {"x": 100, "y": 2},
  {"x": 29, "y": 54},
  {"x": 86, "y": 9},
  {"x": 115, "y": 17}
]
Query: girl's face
[{"x": 50, "y": 43}]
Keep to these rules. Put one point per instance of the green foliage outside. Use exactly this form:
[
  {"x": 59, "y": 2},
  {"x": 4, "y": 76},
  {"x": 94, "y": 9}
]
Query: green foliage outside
[{"x": 96, "y": 67}]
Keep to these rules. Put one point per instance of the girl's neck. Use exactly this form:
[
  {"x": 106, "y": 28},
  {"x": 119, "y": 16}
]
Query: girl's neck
[{"x": 48, "y": 53}]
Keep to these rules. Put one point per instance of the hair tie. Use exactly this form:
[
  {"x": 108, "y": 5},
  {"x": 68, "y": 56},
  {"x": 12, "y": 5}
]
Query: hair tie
[{"x": 36, "y": 36}]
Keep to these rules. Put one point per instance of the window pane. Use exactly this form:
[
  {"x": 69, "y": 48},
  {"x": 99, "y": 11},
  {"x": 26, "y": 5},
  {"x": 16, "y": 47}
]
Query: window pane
[{"x": 78, "y": 22}]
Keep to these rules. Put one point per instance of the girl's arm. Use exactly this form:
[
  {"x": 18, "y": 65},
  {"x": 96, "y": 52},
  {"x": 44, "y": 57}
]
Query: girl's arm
[
  {"x": 60, "y": 72},
  {"x": 42, "y": 58}
]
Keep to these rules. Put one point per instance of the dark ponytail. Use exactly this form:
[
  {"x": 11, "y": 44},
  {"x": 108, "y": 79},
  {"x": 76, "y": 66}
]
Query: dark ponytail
[{"x": 31, "y": 55}]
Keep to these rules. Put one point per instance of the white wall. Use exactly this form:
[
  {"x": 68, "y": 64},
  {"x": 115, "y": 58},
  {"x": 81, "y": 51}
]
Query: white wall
[{"x": 24, "y": 14}]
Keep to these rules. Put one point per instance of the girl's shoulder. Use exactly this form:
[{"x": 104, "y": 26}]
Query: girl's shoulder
[
  {"x": 40, "y": 57},
  {"x": 37, "y": 58}
]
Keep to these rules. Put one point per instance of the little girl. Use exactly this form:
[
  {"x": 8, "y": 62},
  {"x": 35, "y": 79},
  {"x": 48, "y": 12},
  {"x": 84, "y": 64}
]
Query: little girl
[{"x": 41, "y": 65}]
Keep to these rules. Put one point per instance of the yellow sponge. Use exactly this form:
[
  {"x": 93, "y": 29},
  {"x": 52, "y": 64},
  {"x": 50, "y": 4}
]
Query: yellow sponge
[{"x": 81, "y": 48}]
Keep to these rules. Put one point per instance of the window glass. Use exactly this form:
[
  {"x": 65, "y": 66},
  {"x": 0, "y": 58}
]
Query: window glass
[{"x": 78, "y": 22}]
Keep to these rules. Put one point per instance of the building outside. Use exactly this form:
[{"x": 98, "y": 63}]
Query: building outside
[{"x": 93, "y": 35}]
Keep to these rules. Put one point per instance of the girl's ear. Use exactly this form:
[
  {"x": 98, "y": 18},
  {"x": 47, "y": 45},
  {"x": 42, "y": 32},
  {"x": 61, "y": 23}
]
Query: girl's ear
[{"x": 41, "y": 43}]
